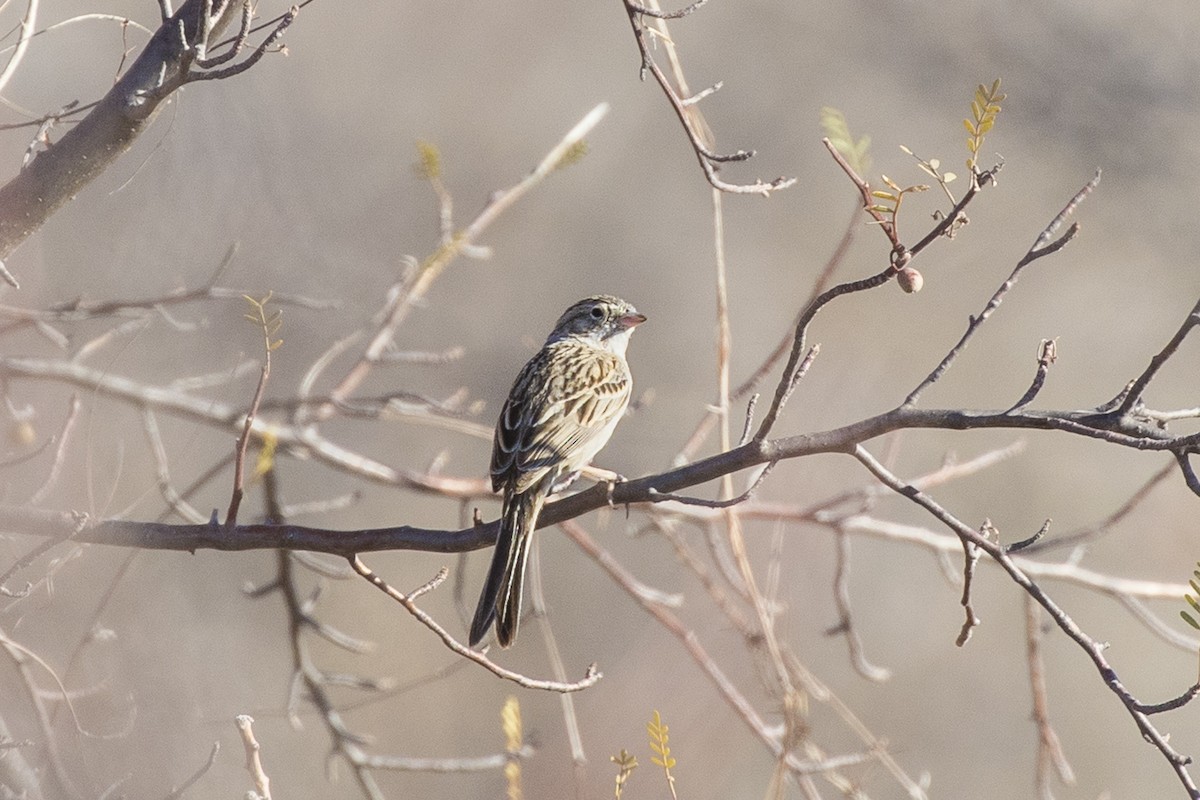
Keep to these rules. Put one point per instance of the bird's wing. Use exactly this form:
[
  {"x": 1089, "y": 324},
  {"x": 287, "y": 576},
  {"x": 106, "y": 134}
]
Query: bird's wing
[{"x": 564, "y": 398}]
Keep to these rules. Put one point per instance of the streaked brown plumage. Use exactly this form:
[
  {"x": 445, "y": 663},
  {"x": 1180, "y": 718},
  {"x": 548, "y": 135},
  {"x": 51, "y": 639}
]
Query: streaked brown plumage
[{"x": 561, "y": 410}]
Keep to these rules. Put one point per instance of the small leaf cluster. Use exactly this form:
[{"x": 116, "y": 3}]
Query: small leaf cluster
[
  {"x": 837, "y": 131},
  {"x": 268, "y": 321},
  {"x": 892, "y": 199},
  {"x": 984, "y": 109},
  {"x": 626, "y": 764},
  {"x": 1193, "y": 598},
  {"x": 659, "y": 745},
  {"x": 266, "y": 454},
  {"x": 933, "y": 168},
  {"x": 510, "y": 723},
  {"x": 429, "y": 161}
]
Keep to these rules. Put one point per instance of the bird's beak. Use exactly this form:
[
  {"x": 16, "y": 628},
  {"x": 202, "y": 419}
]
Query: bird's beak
[{"x": 632, "y": 320}]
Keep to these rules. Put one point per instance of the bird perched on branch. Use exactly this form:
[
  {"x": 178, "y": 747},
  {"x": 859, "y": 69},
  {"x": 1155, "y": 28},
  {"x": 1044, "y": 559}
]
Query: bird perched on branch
[{"x": 561, "y": 410}]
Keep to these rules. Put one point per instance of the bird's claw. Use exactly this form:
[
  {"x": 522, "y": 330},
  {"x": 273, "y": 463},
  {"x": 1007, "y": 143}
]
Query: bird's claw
[{"x": 612, "y": 487}]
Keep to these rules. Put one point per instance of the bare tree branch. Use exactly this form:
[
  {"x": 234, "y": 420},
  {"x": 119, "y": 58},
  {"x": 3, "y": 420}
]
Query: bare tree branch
[{"x": 86, "y": 150}]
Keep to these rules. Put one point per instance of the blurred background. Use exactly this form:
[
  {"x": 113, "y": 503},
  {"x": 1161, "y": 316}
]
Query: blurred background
[{"x": 306, "y": 162}]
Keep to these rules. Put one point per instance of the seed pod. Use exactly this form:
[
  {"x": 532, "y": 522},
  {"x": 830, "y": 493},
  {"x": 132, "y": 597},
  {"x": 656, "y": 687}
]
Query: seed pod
[{"x": 910, "y": 280}]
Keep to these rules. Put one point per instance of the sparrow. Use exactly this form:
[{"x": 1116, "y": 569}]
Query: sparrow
[{"x": 561, "y": 410}]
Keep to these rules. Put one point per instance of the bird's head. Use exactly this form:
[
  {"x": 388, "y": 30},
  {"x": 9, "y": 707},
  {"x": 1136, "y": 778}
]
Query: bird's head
[{"x": 605, "y": 320}]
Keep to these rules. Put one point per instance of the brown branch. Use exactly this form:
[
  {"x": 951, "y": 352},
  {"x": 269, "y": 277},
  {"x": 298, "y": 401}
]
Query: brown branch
[
  {"x": 1093, "y": 649},
  {"x": 1050, "y": 752},
  {"x": 418, "y": 281},
  {"x": 180, "y": 790},
  {"x": 226, "y": 417},
  {"x": 787, "y": 381},
  {"x": 1017, "y": 547},
  {"x": 91, "y": 146},
  {"x": 1170, "y": 705},
  {"x": 684, "y": 107},
  {"x": 1047, "y": 355},
  {"x": 1138, "y": 388},
  {"x": 1036, "y": 251},
  {"x": 658, "y": 497},
  {"x": 705, "y": 426},
  {"x": 537, "y": 602},
  {"x": 590, "y": 678},
  {"x": 665, "y": 617},
  {"x": 845, "y": 626},
  {"x": 152, "y": 535},
  {"x": 864, "y": 190},
  {"x": 79, "y": 310},
  {"x": 252, "y": 59},
  {"x": 269, "y": 325},
  {"x": 970, "y": 561},
  {"x": 1043, "y": 239}
]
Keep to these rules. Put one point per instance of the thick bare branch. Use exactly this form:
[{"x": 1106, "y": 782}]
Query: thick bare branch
[{"x": 110, "y": 128}]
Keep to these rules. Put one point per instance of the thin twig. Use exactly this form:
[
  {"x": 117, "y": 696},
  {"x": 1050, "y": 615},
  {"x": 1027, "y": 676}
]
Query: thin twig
[
  {"x": 658, "y": 497},
  {"x": 64, "y": 436},
  {"x": 685, "y": 108},
  {"x": 1050, "y": 752},
  {"x": 417, "y": 283},
  {"x": 228, "y": 72},
  {"x": 970, "y": 561},
  {"x": 725, "y": 687},
  {"x": 1038, "y": 250},
  {"x": 239, "y": 41},
  {"x": 175, "y": 501},
  {"x": 1138, "y": 388},
  {"x": 845, "y": 626},
  {"x": 748, "y": 425},
  {"x": 1093, "y": 649},
  {"x": 262, "y": 784},
  {"x": 654, "y": 12},
  {"x": 537, "y": 602},
  {"x": 591, "y": 677},
  {"x": 1172, "y": 704},
  {"x": 794, "y": 369},
  {"x": 197, "y": 775},
  {"x": 269, "y": 324},
  {"x": 1017, "y": 547},
  {"x": 25, "y": 33},
  {"x": 1047, "y": 355}
]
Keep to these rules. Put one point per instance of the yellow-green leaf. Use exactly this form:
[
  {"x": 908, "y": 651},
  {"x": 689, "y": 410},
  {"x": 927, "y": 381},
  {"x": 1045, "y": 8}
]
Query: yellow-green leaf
[{"x": 429, "y": 160}]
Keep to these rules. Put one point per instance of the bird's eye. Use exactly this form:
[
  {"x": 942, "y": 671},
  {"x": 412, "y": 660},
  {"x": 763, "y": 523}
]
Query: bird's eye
[{"x": 597, "y": 312}]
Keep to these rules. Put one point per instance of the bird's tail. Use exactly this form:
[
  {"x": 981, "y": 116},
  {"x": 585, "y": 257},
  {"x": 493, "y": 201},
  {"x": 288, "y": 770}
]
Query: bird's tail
[{"x": 500, "y": 599}]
